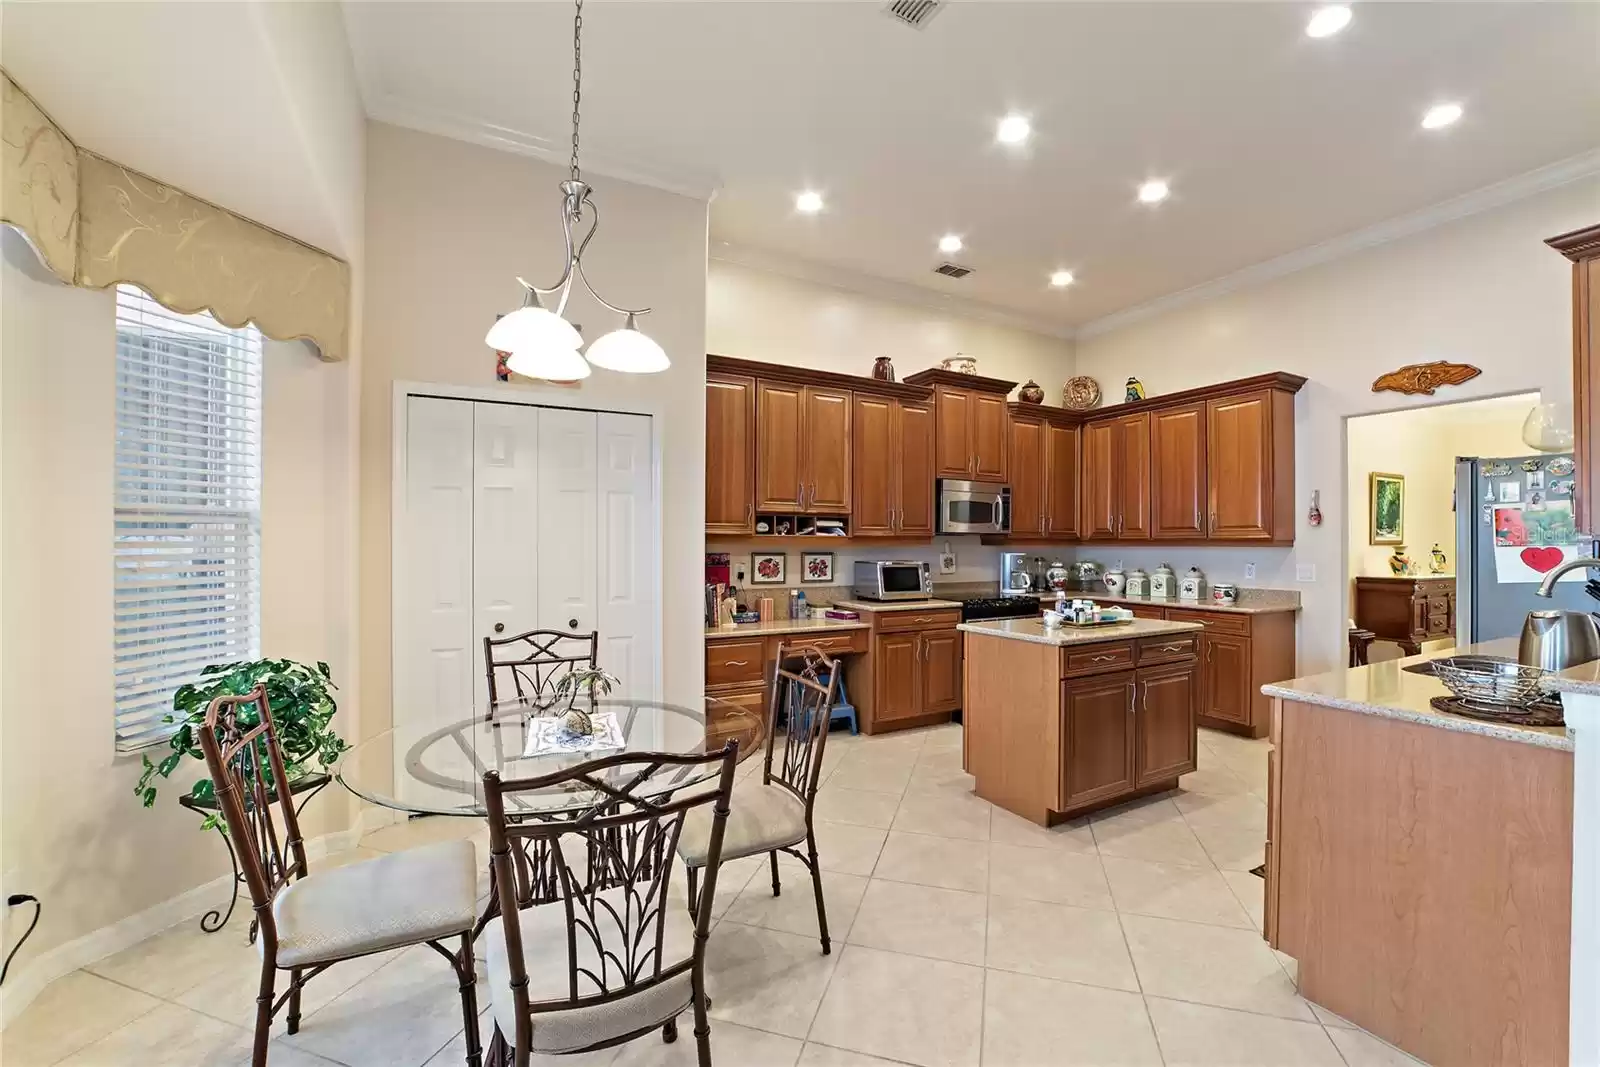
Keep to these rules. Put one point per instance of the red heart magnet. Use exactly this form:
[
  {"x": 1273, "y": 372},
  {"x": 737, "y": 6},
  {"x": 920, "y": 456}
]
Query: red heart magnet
[{"x": 1543, "y": 559}]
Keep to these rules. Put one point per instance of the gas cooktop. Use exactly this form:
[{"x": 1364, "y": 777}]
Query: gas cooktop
[{"x": 999, "y": 607}]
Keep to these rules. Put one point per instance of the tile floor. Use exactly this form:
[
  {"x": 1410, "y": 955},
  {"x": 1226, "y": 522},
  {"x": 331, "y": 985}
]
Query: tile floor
[{"x": 962, "y": 936}]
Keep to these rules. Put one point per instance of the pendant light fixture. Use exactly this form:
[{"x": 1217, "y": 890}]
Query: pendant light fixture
[{"x": 540, "y": 342}]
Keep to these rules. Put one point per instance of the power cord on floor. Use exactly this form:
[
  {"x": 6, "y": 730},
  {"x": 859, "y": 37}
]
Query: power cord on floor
[{"x": 38, "y": 909}]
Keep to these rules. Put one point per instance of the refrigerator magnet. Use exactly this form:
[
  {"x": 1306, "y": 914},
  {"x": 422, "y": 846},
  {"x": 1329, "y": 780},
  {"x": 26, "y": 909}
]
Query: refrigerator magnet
[{"x": 1510, "y": 493}]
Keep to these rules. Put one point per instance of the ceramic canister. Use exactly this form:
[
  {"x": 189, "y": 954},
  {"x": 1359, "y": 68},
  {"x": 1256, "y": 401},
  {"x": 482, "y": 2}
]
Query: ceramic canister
[
  {"x": 1224, "y": 593},
  {"x": 1138, "y": 583},
  {"x": 1163, "y": 583},
  {"x": 1192, "y": 586},
  {"x": 1115, "y": 581}
]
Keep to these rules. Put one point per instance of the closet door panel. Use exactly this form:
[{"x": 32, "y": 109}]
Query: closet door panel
[
  {"x": 628, "y": 615},
  {"x": 565, "y": 565},
  {"x": 504, "y": 526}
]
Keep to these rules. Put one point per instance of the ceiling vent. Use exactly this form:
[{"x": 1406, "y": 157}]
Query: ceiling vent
[
  {"x": 914, "y": 13},
  {"x": 952, "y": 270}
]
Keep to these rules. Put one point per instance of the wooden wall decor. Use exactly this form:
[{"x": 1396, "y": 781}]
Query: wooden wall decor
[{"x": 1424, "y": 378}]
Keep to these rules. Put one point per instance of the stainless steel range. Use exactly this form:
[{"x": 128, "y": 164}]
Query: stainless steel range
[{"x": 999, "y": 607}]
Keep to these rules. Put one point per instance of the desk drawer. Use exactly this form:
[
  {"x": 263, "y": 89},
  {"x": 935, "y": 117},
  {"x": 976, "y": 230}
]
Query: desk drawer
[
  {"x": 1169, "y": 649},
  {"x": 1096, "y": 659},
  {"x": 1219, "y": 622},
  {"x": 933, "y": 619},
  {"x": 836, "y": 644},
  {"x": 729, "y": 662}
]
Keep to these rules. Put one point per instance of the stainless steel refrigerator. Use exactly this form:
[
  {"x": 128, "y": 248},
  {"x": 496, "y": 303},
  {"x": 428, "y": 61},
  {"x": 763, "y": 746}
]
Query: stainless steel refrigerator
[{"x": 1531, "y": 507}]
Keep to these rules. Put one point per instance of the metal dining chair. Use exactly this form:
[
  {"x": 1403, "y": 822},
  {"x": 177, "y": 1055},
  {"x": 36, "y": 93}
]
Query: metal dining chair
[
  {"x": 608, "y": 959},
  {"x": 536, "y": 660},
  {"x": 773, "y": 814},
  {"x": 308, "y": 922}
]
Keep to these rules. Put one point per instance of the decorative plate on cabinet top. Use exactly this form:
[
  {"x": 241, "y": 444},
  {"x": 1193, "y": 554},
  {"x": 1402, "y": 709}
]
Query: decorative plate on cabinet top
[{"x": 1081, "y": 393}]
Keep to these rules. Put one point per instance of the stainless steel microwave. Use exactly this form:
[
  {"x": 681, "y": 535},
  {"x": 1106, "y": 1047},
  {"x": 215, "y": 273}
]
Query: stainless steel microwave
[
  {"x": 974, "y": 507},
  {"x": 893, "y": 579}
]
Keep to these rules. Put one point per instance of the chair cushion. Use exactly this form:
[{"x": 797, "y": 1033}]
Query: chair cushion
[
  {"x": 544, "y": 954},
  {"x": 404, "y": 898},
  {"x": 761, "y": 817}
]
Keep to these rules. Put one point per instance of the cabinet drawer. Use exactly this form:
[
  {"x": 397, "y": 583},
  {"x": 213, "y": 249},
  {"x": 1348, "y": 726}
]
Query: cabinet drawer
[
  {"x": 1096, "y": 659},
  {"x": 1219, "y": 622},
  {"x": 1154, "y": 650},
  {"x": 1438, "y": 615},
  {"x": 831, "y": 644},
  {"x": 729, "y": 662},
  {"x": 933, "y": 619}
]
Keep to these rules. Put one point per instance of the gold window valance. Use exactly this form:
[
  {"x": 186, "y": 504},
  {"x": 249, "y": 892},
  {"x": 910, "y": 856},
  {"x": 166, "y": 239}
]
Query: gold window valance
[{"x": 95, "y": 223}]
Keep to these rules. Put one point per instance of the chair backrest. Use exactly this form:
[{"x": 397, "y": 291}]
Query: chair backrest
[
  {"x": 806, "y": 702},
  {"x": 611, "y": 866},
  {"x": 536, "y": 660},
  {"x": 253, "y": 790}
]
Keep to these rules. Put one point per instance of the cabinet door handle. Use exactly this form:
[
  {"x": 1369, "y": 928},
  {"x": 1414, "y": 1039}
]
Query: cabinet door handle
[
  {"x": 1132, "y": 695},
  {"x": 1101, "y": 659},
  {"x": 923, "y": 618},
  {"x": 1171, "y": 648},
  {"x": 749, "y": 513},
  {"x": 1208, "y": 652},
  {"x": 735, "y": 663}
]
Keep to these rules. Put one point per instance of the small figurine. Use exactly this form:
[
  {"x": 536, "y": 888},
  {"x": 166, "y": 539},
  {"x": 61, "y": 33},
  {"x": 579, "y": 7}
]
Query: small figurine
[
  {"x": 1436, "y": 560},
  {"x": 1400, "y": 563},
  {"x": 1135, "y": 390}
]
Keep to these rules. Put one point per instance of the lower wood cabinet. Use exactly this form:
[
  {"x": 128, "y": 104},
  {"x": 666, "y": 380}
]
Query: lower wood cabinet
[
  {"x": 941, "y": 670},
  {"x": 1240, "y": 653},
  {"x": 897, "y": 677},
  {"x": 739, "y": 672},
  {"x": 911, "y": 674},
  {"x": 1097, "y": 739},
  {"x": 1164, "y": 742}
]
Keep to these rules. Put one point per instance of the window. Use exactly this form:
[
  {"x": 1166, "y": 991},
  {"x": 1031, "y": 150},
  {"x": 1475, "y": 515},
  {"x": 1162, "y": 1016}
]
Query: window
[{"x": 188, "y": 505}]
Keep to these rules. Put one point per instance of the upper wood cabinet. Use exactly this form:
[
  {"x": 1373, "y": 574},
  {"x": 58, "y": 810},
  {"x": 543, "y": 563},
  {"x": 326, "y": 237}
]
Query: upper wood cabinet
[
  {"x": 1097, "y": 486},
  {"x": 1028, "y": 478},
  {"x": 972, "y": 436},
  {"x": 1133, "y": 474},
  {"x": 1250, "y": 467},
  {"x": 730, "y": 454},
  {"x": 1115, "y": 483},
  {"x": 1044, "y": 472},
  {"x": 803, "y": 448},
  {"x": 1582, "y": 247},
  {"x": 1061, "y": 480},
  {"x": 893, "y": 468},
  {"x": 1178, "y": 472}
]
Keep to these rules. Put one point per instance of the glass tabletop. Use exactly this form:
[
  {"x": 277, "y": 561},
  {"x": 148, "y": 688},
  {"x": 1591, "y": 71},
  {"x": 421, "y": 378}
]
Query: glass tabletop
[{"x": 438, "y": 770}]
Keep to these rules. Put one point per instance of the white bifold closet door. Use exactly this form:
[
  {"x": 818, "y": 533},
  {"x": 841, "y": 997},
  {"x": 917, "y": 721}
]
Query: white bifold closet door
[{"x": 522, "y": 518}]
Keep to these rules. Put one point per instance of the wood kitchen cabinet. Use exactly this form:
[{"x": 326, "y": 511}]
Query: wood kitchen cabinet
[
  {"x": 972, "y": 429},
  {"x": 739, "y": 667},
  {"x": 1044, "y": 472},
  {"x": 1097, "y": 739},
  {"x": 803, "y": 449},
  {"x": 1178, "y": 473},
  {"x": 911, "y": 674},
  {"x": 1028, "y": 479},
  {"x": 1582, "y": 247},
  {"x": 941, "y": 670},
  {"x": 1115, "y": 479},
  {"x": 1407, "y": 609},
  {"x": 1250, "y": 467},
  {"x": 1061, "y": 480},
  {"x": 1239, "y": 653},
  {"x": 730, "y": 454},
  {"x": 893, "y": 492}
]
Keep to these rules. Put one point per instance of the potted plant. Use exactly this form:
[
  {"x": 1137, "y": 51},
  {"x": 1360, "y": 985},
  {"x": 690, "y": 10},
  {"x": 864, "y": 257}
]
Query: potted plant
[
  {"x": 302, "y": 709},
  {"x": 583, "y": 680}
]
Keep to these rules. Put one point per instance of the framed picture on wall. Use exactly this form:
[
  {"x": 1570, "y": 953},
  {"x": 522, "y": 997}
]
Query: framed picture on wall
[
  {"x": 816, "y": 566},
  {"x": 768, "y": 568},
  {"x": 1387, "y": 508}
]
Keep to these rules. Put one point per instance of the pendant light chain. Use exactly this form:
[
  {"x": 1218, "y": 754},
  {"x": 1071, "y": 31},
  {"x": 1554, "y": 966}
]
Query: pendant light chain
[{"x": 577, "y": 81}]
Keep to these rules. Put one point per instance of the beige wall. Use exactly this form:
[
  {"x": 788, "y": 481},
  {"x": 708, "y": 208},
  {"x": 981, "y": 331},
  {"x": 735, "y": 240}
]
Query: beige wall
[
  {"x": 755, "y": 314},
  {"x": 1484, "y": 290},
  {"x": 449, "y": 227},
  {"x": 73, "y": 833}
]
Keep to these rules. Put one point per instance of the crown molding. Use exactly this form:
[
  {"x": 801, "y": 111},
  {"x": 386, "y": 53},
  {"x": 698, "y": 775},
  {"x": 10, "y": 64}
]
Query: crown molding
[
  {"x": 1475, "y": 202},
  {"x": 397, "y": 111},
  {"x": 871, "y": 285}
]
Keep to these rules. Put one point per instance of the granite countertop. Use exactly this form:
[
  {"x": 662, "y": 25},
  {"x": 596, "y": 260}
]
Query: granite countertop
[
  {"x": 895, "y": 605},
  {"x": 1033, "y": 630},
  {"x": 783, "y": 626},
  {"x": 1251, "y": 601},
  {"x": 1385, "y": 690},
  {"x": 1583, "y": 679}
]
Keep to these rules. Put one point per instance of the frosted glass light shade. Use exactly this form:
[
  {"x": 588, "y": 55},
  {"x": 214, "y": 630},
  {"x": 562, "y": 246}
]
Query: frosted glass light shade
[
  {"x": 552, "y": 363},
  {"x": 1548, "y": 428},
  {"x": 629, "y": 351},
  {"x": 533, "y": 329}
]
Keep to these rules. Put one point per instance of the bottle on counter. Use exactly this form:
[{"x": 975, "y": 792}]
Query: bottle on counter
[{"x": 801, "y": 611}]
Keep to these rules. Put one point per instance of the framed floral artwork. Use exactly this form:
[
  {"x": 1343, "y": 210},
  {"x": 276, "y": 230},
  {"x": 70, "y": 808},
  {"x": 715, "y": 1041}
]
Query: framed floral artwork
[
  {"x": 768, "y": 568},
  {"x": 816, "y": 566}
]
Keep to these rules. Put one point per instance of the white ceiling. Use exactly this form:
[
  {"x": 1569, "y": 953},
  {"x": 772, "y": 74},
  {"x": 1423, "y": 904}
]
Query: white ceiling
[{"x": 1272, "y": 141}]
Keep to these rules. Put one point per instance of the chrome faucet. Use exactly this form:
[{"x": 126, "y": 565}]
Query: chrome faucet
[{"x": 1547, "y": 586}]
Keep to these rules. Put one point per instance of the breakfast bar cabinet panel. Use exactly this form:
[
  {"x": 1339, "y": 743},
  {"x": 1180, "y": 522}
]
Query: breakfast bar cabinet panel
[
  {"x": 990, "y": 441},
  {"x": 914, "y": 506},
  {"x": 954, "y": 444},
  {"x": 1098, "y": 485},
  {"x": 1166, "y": 740},
  {"x": 1097, "y": 738},
  {"x": 1178, "y": 473},
  {"x": 1061, "y": 480},
  {"x": 941, "y": 670},
  {"x": 1027, "y": 476},
  {"x": 730, "y": 454},
  {"x": 876, "y": 476},
  {"x": 826, "y": 430},
  {"x": 779, "y": 455}
]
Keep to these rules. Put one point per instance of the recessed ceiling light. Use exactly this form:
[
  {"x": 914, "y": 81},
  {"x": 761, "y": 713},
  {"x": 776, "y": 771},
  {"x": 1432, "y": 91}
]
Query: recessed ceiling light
[
  {"x": 1440, "y": 116},
  {"x": 808, "y": 202},
  {"x": 1153, "y": 191},
  {"x": 1061, "y": 279},
  {"x": 1327, "y": 21},
  {"x": 1013, "y": 129},
  {"x": 950, "y": 243}
]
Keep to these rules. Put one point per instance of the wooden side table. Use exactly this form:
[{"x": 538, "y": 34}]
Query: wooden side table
[{"x": 1407, "y": 609}]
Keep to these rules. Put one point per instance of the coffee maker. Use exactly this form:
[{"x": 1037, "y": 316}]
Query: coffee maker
[{"x": 1019, "y": 576}]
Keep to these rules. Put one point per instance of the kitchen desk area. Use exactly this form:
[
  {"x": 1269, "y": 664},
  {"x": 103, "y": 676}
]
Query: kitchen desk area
[
  {"x": 1419, "y": 864},
  {"x": 1060, "y": 722}
]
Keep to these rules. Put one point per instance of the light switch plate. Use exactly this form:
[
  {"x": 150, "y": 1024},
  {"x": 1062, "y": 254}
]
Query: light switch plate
[
  {"x": 1305, "y": 572},
  {"x": 1249, "y": 572}
]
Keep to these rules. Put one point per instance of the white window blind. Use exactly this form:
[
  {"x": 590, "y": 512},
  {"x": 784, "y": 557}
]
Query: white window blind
[{"x": 188, "y": 505}]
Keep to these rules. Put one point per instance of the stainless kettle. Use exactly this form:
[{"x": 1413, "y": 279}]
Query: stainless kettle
[{"x": 1557, "y": 640}]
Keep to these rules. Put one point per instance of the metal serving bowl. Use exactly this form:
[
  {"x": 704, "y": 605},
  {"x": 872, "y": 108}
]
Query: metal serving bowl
[{"x": 1487, "y": 680}]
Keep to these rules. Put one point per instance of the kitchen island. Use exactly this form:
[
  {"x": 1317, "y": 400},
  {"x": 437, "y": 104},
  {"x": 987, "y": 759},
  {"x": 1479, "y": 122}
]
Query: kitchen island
[
  {"x": 1419, "y": 864},
  {"x": 1062, "y": 722}
]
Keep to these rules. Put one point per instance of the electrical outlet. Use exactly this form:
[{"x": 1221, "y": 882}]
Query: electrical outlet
[
  {"x": 1250, "y": 572},
  {"x": 1117, "y": 566},
  {"x": 1305, "y": 572}
]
